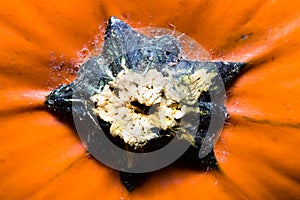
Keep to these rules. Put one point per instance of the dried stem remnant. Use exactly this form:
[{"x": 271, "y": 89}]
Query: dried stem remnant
[
  {"x": 143, "y": 90},
  {"x": 124, "y": 100}
]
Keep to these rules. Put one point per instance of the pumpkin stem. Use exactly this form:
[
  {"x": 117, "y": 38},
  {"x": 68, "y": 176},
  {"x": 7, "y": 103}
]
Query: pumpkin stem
[
  {"x": 60, "y": 100},
  {"x": 132, "y": 180},
  {"x": 145, "y": 92},
  {"x": 229, "y": 71}
]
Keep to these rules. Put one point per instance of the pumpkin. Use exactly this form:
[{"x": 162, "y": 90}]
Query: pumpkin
[{"x": 41, "y": 42}]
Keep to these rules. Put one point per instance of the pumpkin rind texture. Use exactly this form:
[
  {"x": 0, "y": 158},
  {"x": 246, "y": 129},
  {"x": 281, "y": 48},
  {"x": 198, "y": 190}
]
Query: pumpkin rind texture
[{"x": 41, "y": 156}]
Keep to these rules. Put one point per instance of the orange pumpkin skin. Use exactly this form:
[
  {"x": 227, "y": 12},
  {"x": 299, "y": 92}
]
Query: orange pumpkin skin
[{"x": 42, "y": 157}]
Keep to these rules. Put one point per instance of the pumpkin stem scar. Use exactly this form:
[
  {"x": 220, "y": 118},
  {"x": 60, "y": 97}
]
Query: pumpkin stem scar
[{"x": 145, "y": 93}]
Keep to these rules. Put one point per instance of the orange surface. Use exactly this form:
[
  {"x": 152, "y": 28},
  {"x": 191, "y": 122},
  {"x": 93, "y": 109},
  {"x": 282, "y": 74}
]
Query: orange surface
[{"x": 42, "y": 157}]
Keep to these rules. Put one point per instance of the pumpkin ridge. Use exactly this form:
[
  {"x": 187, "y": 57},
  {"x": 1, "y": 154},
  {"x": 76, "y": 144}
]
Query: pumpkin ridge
[
  {"x": 235, "y": 35},
  {"x": 74, "y": 163},
  {"x": 230, "y": 186},
  {"x": 21, "y": 110},
  {"x": 273, "y": 123},
  {"x": 292, "y": 176},
  {"x": 263, "y": 46}
]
